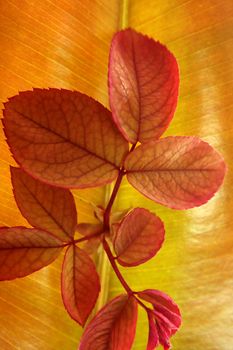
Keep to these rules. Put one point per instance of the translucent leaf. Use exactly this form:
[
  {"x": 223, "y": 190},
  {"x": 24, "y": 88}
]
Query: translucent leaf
[
  {"x": 179, "y": 172},
  {"x": 143, "y": 85},
  {"x": 80, "y": 284},
  {"x": 153, "y": 337},
  {"x": 139, "y": 237},
  {"x": 24, "y": 250},
  {"x": 166, "y": 316},
  {"x": 113, "y": 327},
  {"x": 63, "y": 137},
  {"x": 46, "y": 207}
]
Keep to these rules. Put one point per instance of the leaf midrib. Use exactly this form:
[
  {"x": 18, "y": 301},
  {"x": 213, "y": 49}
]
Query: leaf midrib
[{"x": 65, "y": 139}]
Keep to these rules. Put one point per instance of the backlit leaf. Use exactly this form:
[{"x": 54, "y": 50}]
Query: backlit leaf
[
  {"x": 63, "y": 137},
  {"x": 80, "y": 284},
  {"x": 139, "y": 237},
  {"x": 166, "y": 316},
  {"x": 24, "y": 250},
  {"x": 179, "y": 172},
  {"x": 143, "y": 85},
  {"x": 46, "y": 207},
  {"x": 153, "y": 337},
  {"x": 113, "y": 328}
]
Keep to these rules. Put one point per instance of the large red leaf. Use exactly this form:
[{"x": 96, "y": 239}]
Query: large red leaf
[
  {"x": 179, "y": 172},
  {"x": 166, "y": 316},
  {"x": 46, "y": 207},
  {"x": 24, "y": 250},
  {"x": 80, "y": 284},
  {"x": 113, "y": 328},
  {"x": 63, "y": 137},
  {"x": 139, "y": 237},
  {"x": 143, "y": 85}
]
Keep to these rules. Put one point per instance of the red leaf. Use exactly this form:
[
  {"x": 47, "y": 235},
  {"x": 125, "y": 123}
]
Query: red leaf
[
  {"x": 46, "y": 207},
  {"x": 80, "y": 284},
  {"x": 166, "y": 316},
  {"x": 63, "y": 137},
  {"x": 139, "y": 237},
  {"x": 179, "y": 172},
  {"x": 143, "y": 85},
  {"x": 24, "y": 251},
  {"x": 153, "y": 338},
  {"x": 113, "y": 327}
]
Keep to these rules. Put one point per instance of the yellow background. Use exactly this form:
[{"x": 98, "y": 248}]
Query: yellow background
[{"x": 65, "y": 43}]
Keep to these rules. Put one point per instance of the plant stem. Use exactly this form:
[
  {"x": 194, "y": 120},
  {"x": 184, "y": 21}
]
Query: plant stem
[
  {"x": 112, "y": 198},
  {"x": 115, "y": 267},
  {"x": 119, "y": 275}
]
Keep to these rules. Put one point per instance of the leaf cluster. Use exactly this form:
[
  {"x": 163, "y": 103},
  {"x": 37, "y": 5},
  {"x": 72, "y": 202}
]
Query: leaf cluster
[{"x": 64, "y": 139}]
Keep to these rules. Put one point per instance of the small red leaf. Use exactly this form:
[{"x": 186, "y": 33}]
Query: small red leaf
[
  {"x": 139, "y": 237},
  {"x": 113, "y": 327},
  {"x": 166, "y": 316},
  {"x": 80, "y": 284},
  {"x": 179, "y": 172},
  {"x": 63, "y": 137},
  {"x": 24, "y": 251},
  {"x": 153, "y": 337},
  {"x": 46, "y": 207},
  {"x": 143, "y": 85}
]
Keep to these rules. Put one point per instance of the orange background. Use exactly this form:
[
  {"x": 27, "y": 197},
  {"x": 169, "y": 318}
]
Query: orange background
[{"x": 65, "y": 43}]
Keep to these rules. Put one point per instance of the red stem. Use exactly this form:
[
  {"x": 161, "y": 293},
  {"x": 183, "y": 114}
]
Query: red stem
[
  {"x": 112, "y": 198},
  {"x": 115, "y": 267}
]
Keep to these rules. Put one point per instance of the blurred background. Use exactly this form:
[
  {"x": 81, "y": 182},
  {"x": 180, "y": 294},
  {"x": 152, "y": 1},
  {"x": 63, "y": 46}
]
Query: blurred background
[{"x": 65, "y": 43}]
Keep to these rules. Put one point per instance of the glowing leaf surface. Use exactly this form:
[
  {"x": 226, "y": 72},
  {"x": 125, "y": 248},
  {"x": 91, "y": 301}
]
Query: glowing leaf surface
[
  {"x": 80, "y": 284},
  {"x": 139, "y": 237},
  {"x": 63, "y": 137},
  {"x": 113, "y": 327},
  {"x": 179, "y": 172},
  {"x": 153, "y": 337},
  {"x": 46, "y": 207},
  {"x": 143, "y": 85},
  {"x": 166, "y": 316},
  {"x": 24, "y": 250}
]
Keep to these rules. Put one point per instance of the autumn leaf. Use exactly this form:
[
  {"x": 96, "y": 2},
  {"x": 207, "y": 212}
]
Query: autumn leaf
[
  {"x": 139, "y": 237},
  {"x": 113, "y": 327},
  {"x": 63, "y": 137},
  {"x": 143, "y": 85},
  {"x": 80, "y": 284},
  {"x": 25, "y": 250},
  {"x": 166, "y": 316},
  {"x": 180, "y": 172},
  {"x": 47, "y": 207},
  {"x": 153, "y": 337}
]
